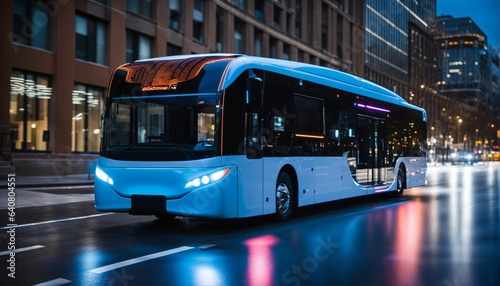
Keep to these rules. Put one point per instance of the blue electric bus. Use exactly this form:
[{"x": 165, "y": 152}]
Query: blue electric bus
[{"x": 233, "y": 136}]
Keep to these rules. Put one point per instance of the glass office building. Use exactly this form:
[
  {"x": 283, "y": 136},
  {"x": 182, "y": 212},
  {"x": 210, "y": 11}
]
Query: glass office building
[
  {"x": 463, "y": 55},
  {"x": 387, "y": 27}
]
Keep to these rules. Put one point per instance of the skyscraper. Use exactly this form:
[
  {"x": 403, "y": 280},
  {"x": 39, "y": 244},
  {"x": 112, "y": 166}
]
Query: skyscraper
[
  {"x": 463, "y": 55},
  {"x": 388, "y": 35}
]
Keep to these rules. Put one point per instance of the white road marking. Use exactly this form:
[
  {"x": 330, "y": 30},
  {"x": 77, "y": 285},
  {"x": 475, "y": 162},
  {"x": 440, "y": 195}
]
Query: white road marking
[
  {"x": 140, "y": 259},
  {"x": 17, "y": 250},
  {"x": 55, "y": 282},
  {"x": 56, "y": 220}
]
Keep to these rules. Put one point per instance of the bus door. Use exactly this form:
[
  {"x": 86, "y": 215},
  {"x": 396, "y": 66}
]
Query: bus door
[
  {"x": 371, "y": 151},
  {"x": 251, "y": 171}
]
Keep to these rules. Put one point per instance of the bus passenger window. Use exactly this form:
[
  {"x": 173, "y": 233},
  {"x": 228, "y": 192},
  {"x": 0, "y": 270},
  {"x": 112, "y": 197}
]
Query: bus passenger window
[{"x": 279, "y": 123}]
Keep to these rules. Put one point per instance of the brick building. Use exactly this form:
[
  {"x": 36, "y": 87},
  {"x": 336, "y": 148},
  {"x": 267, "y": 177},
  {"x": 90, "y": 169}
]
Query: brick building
[{"x": 58, "y": 55}]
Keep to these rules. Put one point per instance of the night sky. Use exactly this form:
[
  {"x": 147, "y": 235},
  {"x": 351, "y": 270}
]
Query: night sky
[{"x": 485, "y": 13}]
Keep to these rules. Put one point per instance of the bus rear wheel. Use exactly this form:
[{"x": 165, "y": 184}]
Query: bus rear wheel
[
  {"x": 400, "y": 183},
  {"x": 284, "y": 197}
]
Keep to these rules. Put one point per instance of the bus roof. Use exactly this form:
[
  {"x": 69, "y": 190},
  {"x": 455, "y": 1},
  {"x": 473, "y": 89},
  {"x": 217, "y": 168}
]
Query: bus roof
[{"x": 309, "y": 72}]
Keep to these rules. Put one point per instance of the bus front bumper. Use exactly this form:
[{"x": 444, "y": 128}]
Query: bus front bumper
[{"x": 218, "y": 200}]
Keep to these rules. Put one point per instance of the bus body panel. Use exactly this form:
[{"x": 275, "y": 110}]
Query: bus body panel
[
  {"x": 107, "y": 200},
  {"x": 117, "y": 182},
  {"x": 249, "y": 187},
  {"x": 214, "y": 200},
  {"x": 327, "y": 178},
  {"x": 416, "y": 171}
]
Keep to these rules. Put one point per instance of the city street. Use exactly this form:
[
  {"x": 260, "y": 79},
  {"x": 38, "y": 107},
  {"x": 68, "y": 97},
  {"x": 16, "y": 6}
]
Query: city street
[{"x": 447, "y": 233}]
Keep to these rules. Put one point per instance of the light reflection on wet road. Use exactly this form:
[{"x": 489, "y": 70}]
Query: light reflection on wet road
[{"x": 447, "y": 233}]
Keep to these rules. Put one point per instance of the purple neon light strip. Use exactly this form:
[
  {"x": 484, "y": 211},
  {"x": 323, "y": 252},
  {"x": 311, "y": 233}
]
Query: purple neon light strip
[{"x": 373, "y": 108}]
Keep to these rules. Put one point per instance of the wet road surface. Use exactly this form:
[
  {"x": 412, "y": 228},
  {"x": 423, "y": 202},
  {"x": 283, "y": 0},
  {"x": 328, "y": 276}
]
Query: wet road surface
[{"x": 447, "y": 233}]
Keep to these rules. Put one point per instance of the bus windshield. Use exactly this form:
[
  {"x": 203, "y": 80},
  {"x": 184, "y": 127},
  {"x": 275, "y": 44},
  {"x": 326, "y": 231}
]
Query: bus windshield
[
  {"x": 161, "y": 128},
  {"x": 165, "y": 111}
]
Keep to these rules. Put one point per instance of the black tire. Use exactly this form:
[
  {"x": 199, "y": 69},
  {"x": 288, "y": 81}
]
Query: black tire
[
  {"x": 400, "y": 183},
  {"x": 284, "y": 197}
]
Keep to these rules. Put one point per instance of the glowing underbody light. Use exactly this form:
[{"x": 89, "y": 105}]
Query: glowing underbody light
[
  {"x": 373, "y": 107},
  {"x": 207, "y": 179}
]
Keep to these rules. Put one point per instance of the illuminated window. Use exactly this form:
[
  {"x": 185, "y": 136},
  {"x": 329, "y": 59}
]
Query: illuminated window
[
  {"x": 30, "y": 94},
  {"x": 86, "y": 118}
]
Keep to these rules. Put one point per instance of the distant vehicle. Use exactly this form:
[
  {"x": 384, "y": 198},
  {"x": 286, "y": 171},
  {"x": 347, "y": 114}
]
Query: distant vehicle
[
  {"x": 232, "y": 136},
  {"x": 468, "y": 158}
]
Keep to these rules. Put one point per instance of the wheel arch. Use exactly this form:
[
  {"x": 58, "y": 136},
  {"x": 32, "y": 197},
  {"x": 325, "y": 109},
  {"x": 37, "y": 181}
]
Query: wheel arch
[
  {"x": 402, "y": 167},
  {"x": 290, "y": 170}
]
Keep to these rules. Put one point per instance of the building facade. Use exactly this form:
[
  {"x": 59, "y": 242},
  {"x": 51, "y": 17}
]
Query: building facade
[
  {"x": 466, "y": 65},
  {"x": 435, "y": 64},
  {"x": 464, "y": 58},
  {"x": 58, "y": 57},
  {"x": 388, "y": 26}
]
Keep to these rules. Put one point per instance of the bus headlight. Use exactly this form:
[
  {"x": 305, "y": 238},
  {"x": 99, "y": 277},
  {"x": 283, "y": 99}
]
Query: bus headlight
[
  {"x": 99, "y": 173},
  {"x": 207, "y": 179}
]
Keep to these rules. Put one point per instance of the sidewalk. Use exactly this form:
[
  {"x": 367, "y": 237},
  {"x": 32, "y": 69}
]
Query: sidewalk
[
  {"x": 34, "y": 191},
  {"x": 46, "y": 181}
]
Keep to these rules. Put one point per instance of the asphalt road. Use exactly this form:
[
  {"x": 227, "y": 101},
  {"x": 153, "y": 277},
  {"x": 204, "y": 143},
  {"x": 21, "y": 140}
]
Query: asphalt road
[{"x": 447, "y": 233}]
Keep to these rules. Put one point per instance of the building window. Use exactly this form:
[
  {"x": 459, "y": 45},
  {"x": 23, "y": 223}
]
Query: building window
[
  {"x": 259, "y": 9},
  {"x": 241, "y": 4},
  {"x": 31, "y": 24},
  {"x": 277, "y": 17},
  {"x": 300, "y": 57},
  {"x": 286, "y": 52},
  {"x": 90, "y": 40},
  {"x": 140, "y": 7},
  {"x": 86, "y": 118},
  {"x": 324, "y": 26},
  {"x": 273, "y": 47},
  {"x": 220, "y": 33},
  {"x": 239, "y": 36},
  {"x": 340, "y": 40},
  {"x": 257, "y": 48},
  {"x": 198, "y": 13},
  {"x": 174, "y": 7},
  {"x": 138, "y": 46},
  {"x": 298, "y": 19},
  {"x": 30, "y": 94},
  {"x": 173, "y": 50}
]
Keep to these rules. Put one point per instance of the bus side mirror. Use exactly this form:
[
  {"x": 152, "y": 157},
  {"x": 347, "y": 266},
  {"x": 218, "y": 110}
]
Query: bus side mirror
[{"x": 254, "y": 92}]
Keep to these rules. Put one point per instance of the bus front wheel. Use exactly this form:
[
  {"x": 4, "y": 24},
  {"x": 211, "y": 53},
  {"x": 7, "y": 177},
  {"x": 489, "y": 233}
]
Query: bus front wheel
[{"x": 284, "y": 197}]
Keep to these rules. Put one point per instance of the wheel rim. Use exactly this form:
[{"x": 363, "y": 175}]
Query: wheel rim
[
  {"x": 400, "y": 183},
  {"x": 282, "y": 198}
]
